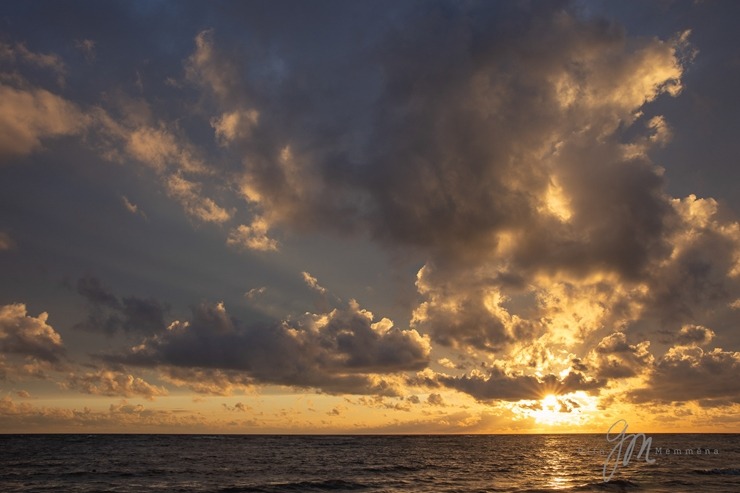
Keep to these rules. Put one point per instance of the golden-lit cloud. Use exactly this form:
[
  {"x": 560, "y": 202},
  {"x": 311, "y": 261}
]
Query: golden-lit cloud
[
  {"x": 313, "y": 283},
  {"x": 110, "y": 383},
  {"x": 194, "y": 203},
  {"x": 24, "y": 335},
  {"x": 29, "y": 115},
  {"x": 252, "y": 236},
  {"x": 234, "y": 126}
]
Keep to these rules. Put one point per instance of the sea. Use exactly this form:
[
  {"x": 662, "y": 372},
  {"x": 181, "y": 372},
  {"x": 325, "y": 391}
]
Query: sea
[{"x": 408, "y": 463}]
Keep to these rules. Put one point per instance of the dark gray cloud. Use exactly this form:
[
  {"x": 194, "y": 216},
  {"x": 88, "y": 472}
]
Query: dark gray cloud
[
  {"x": 498, "y": 385},
  {"x": 700, "y": 281},
  {"x": 691, "y": 373},
  {"x": 459, "y": 143},
  {"x": 614, "y": 358},
  {"x": 109, "y": 315},
  {"x": 341, "y": 351},
  {"x": 691, "y": 335}
]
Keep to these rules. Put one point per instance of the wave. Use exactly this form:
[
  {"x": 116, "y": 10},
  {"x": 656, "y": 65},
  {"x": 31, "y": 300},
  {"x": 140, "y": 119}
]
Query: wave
[
  {"x": 327, "y": 485},
  {"x": 723, "y": 470},
  {"x": 394, "y": 468},
  {"x": 611, "y": 485}
]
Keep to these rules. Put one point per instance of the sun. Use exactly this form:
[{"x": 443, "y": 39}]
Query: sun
[
  {"x": 550, "y": 411},
  {"x": 563, "y": 410},
  {"x": 549, "y": 402}
]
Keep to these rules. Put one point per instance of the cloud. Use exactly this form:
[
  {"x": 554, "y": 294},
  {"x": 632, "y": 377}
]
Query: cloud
[
  {"x": 313, "y": 283},
  {"x": 691, "y": 335},
  {"x": 87, "y": 48},
  {"x": 475, "y": 177},
  {"x": 132, "y": 208},
  {"x": 194, "y": 203},
  {"x": 31, "y": 337},
  {"x": 252, "y": 237},
  {"x": 109, "y": 315},
  {"x": 30, "y": 115},
  {"x": 465, "y": 311},
  {"x": 207, "y": 381},
  {"x": 19, "y": 53},
  {"x": 25, "y": 417},
  {"x": 614, "y": 358},
  {"x": 498, "y": 385},
  {"x": 435, "y": 400},
  {"x": 514, "y": 157},
  {"x": 691, "y": 373},
  {"x": 235, "y": 125},
  {"x": 176, "y": 161},
  {"x": 508, "y": 146},
  {"x": 160, "y": 149},
  {"x": 255, "y": 292},
  {"x": 238, "y": 407},
  {"x": 113, "y": 384},
  {"x": 344, "y": 351},
  {"x": 700, "y": 279},
  {"x": 208, "y": 67}
]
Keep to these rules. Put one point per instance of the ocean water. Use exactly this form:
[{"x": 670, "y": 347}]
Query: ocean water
[{"x": 262, "y": 463}]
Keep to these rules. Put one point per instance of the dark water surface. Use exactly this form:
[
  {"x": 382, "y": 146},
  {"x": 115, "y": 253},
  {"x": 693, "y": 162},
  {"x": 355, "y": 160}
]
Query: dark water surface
[{"x": 229, "y": 463}]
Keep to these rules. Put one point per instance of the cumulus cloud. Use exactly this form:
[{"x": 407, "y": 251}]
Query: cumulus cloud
[
  {"x": 24, "y": 335},
  {"x": 696, "y": 284},
  {"x": 498, "y": 385},
  {"x": 691, "y": 335},
  {"x": 109, "y": 314},
  {"x": 614, "y": 358},
  {"x": 508, "y": 146},
  {"x": 112, "y": 384},
  {"x": 435, "y": 400},
  {"x": 691, "y": 373},
  {"x": 344, "y": 351},
  {"x": 471, "y": 186},
  {"x": 515, "y": 157}
]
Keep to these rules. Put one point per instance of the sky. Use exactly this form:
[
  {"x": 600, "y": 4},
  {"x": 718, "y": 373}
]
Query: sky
[{"x": 369, "y": 217}]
